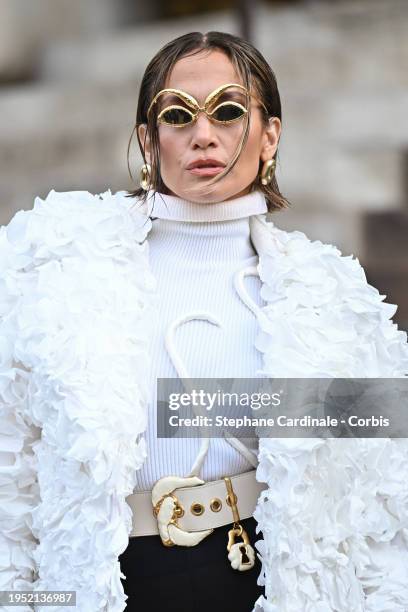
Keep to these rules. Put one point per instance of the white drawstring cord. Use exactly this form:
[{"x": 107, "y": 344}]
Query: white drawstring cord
[
  {"x": 169, "y": 339},
  {"x": 238, "y": 280},
  {"x": 240, "y": 288},
  {"x": 181, "y": 370},
  {"x": 250, "y": 455},
  {"x": 184, "y": 376}
]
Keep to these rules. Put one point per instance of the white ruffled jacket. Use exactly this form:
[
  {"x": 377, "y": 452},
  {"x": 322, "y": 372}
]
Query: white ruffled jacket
[{"x": 77, "y": 302}]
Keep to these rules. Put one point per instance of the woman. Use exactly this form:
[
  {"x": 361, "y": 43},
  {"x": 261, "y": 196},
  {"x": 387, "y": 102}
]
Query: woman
[
  {"x": 104, "y": 294},
  {"x": 207, "y": 165}
]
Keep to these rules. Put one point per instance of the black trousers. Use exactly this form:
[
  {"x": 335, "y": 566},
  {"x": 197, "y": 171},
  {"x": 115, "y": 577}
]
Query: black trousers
[{"x": 189, "y": 579}]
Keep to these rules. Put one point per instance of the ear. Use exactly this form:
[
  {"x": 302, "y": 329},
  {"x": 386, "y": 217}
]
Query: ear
[
  {"x": 270, "y": 138},
  {"x": 145, "y": 141}
]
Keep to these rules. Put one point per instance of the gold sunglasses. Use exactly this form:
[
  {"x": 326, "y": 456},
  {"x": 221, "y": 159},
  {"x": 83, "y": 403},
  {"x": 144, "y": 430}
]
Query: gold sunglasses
[{"x": 224, "y": 113}]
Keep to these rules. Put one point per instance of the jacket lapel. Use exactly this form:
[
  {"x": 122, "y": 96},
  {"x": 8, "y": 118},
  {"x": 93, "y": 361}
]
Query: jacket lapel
[{"x": 323, "y": 518}]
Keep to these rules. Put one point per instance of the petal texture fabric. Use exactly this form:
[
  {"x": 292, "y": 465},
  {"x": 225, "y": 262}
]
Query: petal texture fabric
[
  {"x": 77, "y": 305},
  {"x": 81, "y": 303},
  {"x": 19, "y": 491},
  {"x": 334, "y": 517}
]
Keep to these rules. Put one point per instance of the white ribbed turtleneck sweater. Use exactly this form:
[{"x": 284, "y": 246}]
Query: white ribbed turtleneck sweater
[{"x": 194, "y": 251}]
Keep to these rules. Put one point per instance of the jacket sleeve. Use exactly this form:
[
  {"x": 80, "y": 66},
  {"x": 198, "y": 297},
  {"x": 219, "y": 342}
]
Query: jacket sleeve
[
  {"x": 334, "y": 515},
  {"x": 79, "y": 319},
  {"x": 19, "y": 490}
]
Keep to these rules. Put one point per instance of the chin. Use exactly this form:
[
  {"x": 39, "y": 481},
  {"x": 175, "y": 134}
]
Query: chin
[
  {"x": 204, "y": 196},
  {"x": 214, "y": 195},
  {"x": 210, "y": 194},
  {"x": 210, "y": 199}
]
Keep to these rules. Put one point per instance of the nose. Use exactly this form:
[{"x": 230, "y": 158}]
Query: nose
[{"x": 203, "y": 132}]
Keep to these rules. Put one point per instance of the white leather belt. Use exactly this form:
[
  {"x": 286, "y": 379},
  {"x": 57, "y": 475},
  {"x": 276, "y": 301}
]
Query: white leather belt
[{"x": 204, "y": 506}]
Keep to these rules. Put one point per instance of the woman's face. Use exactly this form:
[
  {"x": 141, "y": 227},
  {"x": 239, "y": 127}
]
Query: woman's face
[{"x": 198, "y": 76}]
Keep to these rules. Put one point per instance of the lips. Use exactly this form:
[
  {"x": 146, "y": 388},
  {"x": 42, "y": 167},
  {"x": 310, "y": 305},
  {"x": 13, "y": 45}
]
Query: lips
[{"x": 206, "y": 166}]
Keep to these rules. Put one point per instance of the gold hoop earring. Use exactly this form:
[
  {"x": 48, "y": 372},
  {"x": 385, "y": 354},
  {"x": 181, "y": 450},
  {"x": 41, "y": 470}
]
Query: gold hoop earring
[
  {"x": 268, "y": 170},
  {"x": 145, "y": 172}
]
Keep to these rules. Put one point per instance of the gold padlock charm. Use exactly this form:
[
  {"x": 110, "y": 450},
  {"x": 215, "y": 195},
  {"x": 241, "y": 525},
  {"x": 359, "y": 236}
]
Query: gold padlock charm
[{"x": 240, "y": 554}]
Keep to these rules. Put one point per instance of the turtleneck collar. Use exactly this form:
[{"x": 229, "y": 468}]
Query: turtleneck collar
[
  {"x": 176, "y": 209},
  {"x": 202, "y": 235}
]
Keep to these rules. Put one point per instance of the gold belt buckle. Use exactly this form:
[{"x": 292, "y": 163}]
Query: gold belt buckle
[{"x": 167, "y": 509}]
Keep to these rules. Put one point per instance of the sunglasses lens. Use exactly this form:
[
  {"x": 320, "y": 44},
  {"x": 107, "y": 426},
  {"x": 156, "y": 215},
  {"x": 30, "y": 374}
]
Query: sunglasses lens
[
  {"x": 176, "y": 116},
  {"x": 228, "y": 112}
]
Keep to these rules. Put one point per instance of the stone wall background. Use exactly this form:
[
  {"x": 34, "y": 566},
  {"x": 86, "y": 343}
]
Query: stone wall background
[{"x": 69, "y": 77}]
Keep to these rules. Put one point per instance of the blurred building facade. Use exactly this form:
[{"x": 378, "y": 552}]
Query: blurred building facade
[{"x": 69, "y": 78}]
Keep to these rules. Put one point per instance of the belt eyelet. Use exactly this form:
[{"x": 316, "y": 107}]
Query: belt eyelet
[
  {"x": 216, "y": 504},
  {"x": 197, "y": 509}
]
